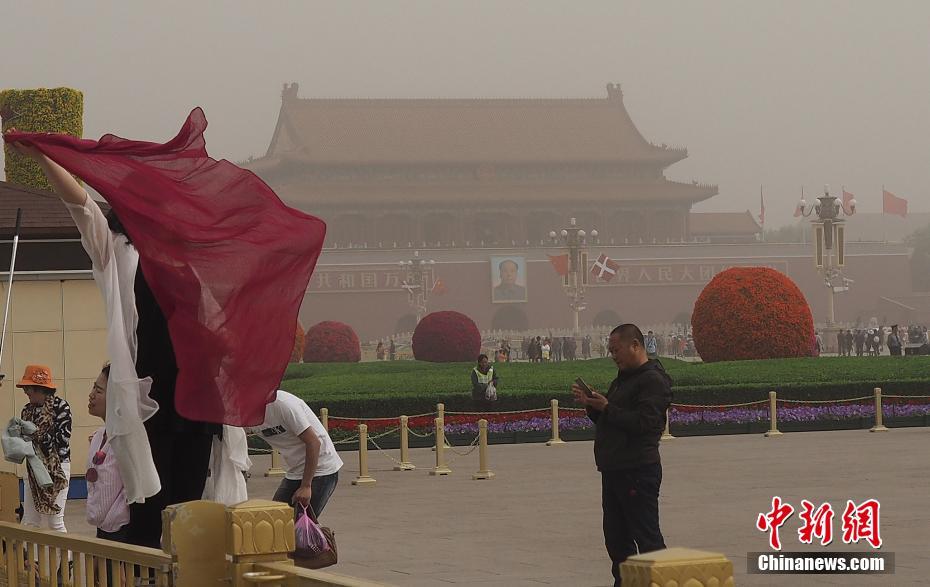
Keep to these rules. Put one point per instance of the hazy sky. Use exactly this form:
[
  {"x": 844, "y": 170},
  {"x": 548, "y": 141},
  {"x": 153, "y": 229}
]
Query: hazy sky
[{"x": 782, "y": 94}]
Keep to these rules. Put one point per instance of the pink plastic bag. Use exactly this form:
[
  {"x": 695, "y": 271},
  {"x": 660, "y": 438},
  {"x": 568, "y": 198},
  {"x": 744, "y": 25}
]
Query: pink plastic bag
[{"x": 310, "y": 538}]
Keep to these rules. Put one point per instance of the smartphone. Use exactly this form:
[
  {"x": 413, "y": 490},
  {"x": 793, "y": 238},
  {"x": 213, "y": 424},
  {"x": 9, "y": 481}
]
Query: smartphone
[{"x": 587, "y": 390}]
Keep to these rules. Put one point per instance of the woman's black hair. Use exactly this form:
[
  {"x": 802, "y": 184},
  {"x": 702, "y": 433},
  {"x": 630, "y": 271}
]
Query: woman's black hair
[
  {"x": 116, "y": 226},
  {"x": 482, "y": 356}
]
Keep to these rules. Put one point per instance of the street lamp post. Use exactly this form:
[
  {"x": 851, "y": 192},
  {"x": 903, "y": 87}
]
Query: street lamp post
[
  {"x": 829, "y": 239},
  {"x": 417, "y": 282},
  {"x": 575, "y": 239}
]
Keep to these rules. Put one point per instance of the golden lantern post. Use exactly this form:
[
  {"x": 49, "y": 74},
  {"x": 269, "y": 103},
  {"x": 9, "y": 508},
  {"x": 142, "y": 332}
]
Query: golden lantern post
[
  {"x": 418, "y": 282},
  {"x": 829, "y": 238},
  {"x": 575, "y": 240}
]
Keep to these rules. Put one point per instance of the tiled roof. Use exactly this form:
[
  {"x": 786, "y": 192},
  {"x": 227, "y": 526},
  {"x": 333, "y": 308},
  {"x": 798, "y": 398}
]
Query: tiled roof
[
  {"x": 355, "y": 131},
  {"x": 308, "y": 195},
  {"x": 44, "y": 215}
]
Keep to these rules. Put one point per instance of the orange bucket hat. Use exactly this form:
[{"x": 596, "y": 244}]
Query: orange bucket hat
[{"x": 37, "y": 375}]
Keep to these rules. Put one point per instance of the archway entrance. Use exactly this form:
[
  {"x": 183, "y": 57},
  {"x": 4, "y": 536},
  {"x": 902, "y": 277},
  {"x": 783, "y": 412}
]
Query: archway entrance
[{"x": 510, "y": 318}]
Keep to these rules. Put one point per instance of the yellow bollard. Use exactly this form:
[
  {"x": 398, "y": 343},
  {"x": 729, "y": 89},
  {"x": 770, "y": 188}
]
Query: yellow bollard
[
  {"x": 667, "y": 434},
  {"x": 363, "y": 477},
  {"x": 483, "y": 471},
  {"x": 773, "y": 416},
  {"x": 440, "y": 468},
  {"x": 879, "y": 426},
  {"x": 324, "y": 418},
  {"x": 555, "y": 424},
  {"x": 441, "y": 414},
  {"x": 404, "y": 464},
  {"x": 275, "y": 470}
]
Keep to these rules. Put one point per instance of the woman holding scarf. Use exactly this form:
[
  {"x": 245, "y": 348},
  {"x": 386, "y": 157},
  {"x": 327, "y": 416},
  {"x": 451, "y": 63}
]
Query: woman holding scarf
[{"x": 52, "y": 441}]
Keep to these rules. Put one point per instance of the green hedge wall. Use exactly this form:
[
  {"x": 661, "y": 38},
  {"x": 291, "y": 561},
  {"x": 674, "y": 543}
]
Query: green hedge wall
[{"x": 59, "y": 110}]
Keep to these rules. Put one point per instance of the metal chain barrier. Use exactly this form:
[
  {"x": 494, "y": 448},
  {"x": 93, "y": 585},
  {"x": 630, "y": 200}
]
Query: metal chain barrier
[{"x": 471, "y": 449}]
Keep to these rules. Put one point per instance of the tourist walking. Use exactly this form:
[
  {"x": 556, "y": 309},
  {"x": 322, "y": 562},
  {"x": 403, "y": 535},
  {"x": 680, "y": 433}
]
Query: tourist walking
[
  {"x": 894, "y": 342},
  {"x": 628, "y": 423}
]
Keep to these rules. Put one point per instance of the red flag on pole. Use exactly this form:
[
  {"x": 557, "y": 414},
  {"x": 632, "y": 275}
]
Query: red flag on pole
[
  {"x": 439, "y": 288},
  {"x": 892, "y": 204},
  {"x": 560, "y": 263},
  {"x": 847, "y": 198},
  {"x": 797, "y": 210},
  {"x": 227, "y": 261}
]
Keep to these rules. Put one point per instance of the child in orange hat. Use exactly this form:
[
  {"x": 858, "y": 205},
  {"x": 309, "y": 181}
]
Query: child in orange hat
[{"x": 52, "y": 417}]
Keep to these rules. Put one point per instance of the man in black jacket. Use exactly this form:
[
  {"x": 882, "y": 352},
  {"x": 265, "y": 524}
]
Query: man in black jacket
[{"x": 628, "y": 424}]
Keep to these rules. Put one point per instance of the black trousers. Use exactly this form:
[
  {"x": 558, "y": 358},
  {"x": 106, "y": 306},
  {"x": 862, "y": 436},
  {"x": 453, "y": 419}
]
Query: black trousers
[
  {"x": 630, "y": 499},
  {"x": 180, "y": 447},
  {"x": 182, "y": 461}
]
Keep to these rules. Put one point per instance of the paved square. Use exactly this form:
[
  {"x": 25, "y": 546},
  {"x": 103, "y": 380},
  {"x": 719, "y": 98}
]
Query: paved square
[{"x": 538, "y": 522}]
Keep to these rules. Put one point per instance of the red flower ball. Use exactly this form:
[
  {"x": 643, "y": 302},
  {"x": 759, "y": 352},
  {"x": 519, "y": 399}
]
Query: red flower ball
[
  {"x": 332, "y": 342},
  {"x": 299, "y": 344},
  {"x": 446, "y": 337},
  {"x": 751, "y": 313}
]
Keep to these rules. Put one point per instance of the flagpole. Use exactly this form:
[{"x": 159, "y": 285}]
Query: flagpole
[
  {"x": 884, "y": 224},
  {"x": 762, "y": 206}
]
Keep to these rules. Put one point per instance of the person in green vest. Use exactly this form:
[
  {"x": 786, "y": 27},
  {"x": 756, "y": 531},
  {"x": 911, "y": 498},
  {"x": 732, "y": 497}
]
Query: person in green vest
[{"x": 484, "y": 381}]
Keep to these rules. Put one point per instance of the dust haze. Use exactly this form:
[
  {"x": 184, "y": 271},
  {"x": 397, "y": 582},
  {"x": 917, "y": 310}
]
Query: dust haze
[{"x": 777, "y": 94}]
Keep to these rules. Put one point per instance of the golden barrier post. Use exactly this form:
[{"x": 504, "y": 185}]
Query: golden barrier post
[
  {"x": 677, "y": 566},
  {"x": 275, "y": 469},
  {"x": 440, "y": 468},
  {"x": 404, "y": 464},
  {"x": 773, "y": 417},
  {"x": 555, "y": 424},
  {"x": 441, "y": 414},
  {"x": 667, "y": 434},
  {"x": 324, "y": 418},
  {"x": 483, "y": 471},
  {"x": 363, "y": 477},
  {"x": 879, "y": 426}
]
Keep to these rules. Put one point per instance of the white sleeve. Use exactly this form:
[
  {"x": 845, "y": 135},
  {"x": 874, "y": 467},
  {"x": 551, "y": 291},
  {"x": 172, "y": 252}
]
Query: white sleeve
[{"x": 95, "y": 232}]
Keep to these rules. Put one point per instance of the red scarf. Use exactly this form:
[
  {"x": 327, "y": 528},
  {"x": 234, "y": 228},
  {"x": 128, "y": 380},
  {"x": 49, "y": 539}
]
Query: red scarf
[{"x": 226, "y": 260}]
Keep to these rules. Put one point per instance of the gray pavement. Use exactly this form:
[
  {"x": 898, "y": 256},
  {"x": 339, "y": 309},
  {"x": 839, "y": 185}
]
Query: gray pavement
[{"x": 538, "y": 522}]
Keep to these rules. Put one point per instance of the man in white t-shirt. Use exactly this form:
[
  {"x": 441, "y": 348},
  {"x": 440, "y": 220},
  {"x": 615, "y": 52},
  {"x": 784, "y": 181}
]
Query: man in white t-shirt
[{"x": 310, "y": 458}]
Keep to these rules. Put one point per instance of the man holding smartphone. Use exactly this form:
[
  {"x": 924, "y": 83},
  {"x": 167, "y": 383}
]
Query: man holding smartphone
[{"x": 629, "y": 421}]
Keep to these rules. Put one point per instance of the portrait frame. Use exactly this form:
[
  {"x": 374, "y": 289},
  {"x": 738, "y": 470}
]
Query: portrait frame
[{"x": 510, "y": 267}]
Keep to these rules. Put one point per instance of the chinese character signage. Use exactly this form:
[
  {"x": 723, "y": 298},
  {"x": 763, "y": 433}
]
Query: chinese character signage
[
  {"x": 368, "y": 279},
  {"x": 674, "y": 273}
]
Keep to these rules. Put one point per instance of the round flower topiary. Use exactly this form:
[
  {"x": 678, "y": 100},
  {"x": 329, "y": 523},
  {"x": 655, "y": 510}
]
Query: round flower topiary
[
  {"x": 446, "y": 337},
  {"x": 299, "y": 343},
  {"x": 331, "y": 342},
  {"x": 751, "y": 313}
]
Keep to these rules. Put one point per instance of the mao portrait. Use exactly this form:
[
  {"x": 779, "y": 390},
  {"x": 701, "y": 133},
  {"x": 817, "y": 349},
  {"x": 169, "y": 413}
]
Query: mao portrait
[{"x": 508, "y": 279}]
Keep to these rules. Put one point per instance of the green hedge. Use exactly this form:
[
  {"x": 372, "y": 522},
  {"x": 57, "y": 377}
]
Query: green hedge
[
  {"x": 389, "y": 389},
  {"x": 59, "y": 110}
]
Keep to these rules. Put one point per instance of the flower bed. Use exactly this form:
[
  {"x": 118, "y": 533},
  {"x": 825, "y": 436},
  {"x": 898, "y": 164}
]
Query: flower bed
[{"x": 680, "y": 417}]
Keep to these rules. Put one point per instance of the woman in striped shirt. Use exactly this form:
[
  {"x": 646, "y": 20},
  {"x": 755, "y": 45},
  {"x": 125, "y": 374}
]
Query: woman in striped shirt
[{"x": 107, "y": 509}]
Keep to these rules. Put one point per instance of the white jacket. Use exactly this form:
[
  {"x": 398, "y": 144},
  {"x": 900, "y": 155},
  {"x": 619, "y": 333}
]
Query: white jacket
[{"x": 115, "y": 262}]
